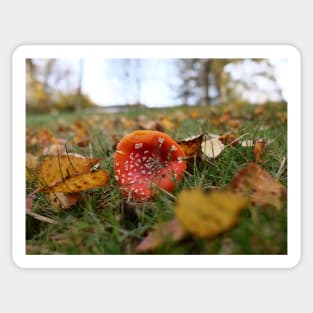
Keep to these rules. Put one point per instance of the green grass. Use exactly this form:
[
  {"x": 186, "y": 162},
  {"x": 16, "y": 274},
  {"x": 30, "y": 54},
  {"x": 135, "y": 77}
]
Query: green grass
[{"x": 103, "y": 223}]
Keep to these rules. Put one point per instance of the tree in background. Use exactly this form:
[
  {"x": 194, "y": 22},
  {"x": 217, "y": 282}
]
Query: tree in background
[
  {"x": 49, "y": 86},
  {"x": 208, "y": 81}
]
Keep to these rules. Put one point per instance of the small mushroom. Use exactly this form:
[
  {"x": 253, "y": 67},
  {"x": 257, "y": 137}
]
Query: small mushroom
[{"x": 146, "y": 160}]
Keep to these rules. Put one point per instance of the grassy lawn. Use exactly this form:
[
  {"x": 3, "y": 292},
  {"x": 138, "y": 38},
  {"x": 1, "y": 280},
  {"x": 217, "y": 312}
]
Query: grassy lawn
[{"x": 102, "y": 222}]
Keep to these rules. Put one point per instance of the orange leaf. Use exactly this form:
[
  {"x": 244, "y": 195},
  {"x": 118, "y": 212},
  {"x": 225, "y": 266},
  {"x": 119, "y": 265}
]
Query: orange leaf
[
  {"x": 191, "y": 145},
  {"x": 262, "y": 189},
  {"x": 170, "y": 231},
  {"x": 43, "y": 138},
  {"x": 82, "y": 137},
  {"x": 80, "y": 182},
  {"x": 258, "y": 149}
]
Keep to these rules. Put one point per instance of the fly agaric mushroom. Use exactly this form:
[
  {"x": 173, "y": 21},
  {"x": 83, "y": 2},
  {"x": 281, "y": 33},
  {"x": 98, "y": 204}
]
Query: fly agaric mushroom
[{"x": 146, "y": 160}]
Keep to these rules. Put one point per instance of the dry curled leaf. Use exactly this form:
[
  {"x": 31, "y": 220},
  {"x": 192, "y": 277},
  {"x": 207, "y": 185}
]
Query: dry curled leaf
[
  {"x": 259, "y": 186},
  {"x": 191, "y": 145},
  {"x": 207, "y": 215},
  {"x": 80, "y": 182},
  {"x": 171, "y": 231},
  {"x": 212, "y": 148},
  {"x": 258, "y": 149},
  {"x": 56, "y": 169}
]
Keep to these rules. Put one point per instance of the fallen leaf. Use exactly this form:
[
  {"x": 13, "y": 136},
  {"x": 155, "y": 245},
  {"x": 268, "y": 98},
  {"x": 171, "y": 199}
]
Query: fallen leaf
[
  {"x": 207, "y": 215},
  {"x": 258, "y": 149},
  {"x": 31, "y": 166},
  {"x": 228, "y": 139},
  {"x": 170, "y": 231},
  {"x": 56, "y": 169},
  {"x": 234, "y": 123},
  {"x": 54, "y": 149},
  {"x": 60, "y": 200},
  {"x": 167, "y": 124},
  {"x": 259, "y": 186},
  {"x": 194, "y": 114},
  {"x": 191, "y": 145},
  {"x": 80, "y": 182},
  {"x": 82, "y": 137},
  {"x": 259, "y": 109},
  {"x": 150, "y": 125},
  {"x": 212, "y": 147},
  {"x": 43, "y": 138}
]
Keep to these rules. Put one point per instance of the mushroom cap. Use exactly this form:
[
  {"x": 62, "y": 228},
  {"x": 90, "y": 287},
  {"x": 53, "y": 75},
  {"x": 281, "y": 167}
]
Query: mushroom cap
[{"x": 146, "y": 160}]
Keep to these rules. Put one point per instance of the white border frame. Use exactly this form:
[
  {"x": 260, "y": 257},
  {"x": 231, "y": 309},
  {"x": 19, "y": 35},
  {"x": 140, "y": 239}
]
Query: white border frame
[{"x": 155, "y": 261}]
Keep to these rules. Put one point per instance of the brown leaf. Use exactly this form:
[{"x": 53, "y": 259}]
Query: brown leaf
[
  {"x": 59, "y": 200},
  {"x": 56, "y": 169},
  {"x": 191, "y": 145},
  {"x": 80, "y": 182},
  {"x": 228, "y": 139},
  {"x": 259, "y": 186},
  {"x": 170, "y": 231},
  {"x": 258, "y": 149},
  {"x": 206, "y": 215}
]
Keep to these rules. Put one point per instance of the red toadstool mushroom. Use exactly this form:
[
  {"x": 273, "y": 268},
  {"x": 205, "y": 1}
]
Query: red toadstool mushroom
[{"x": 146, "y": 160}]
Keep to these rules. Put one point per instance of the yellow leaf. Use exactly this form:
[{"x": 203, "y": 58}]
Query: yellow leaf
[
  {"x": 167, "y": 124},
  {"x": 207, "y": 215},
  {"x": 212, "y": 147},
  {"x": 80, "y": 182},
  {"x": 56, "y": 169},
  {"x": 31, "y": 166}
]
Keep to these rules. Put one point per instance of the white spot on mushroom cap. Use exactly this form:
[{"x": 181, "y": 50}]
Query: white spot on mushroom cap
[{"x": 138, "y": 145}]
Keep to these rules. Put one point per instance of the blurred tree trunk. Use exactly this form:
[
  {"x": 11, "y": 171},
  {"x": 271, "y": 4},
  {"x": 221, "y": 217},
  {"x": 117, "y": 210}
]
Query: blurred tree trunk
[
  {"x": 79, "y": 87},
  {"x": 205, "y": 72}
]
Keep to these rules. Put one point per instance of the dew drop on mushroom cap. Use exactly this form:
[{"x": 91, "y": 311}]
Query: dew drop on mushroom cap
[{"x": 146, "y": 160}]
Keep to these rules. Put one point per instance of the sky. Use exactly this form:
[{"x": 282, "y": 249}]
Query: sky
[{"x": 104, "y": 81}]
